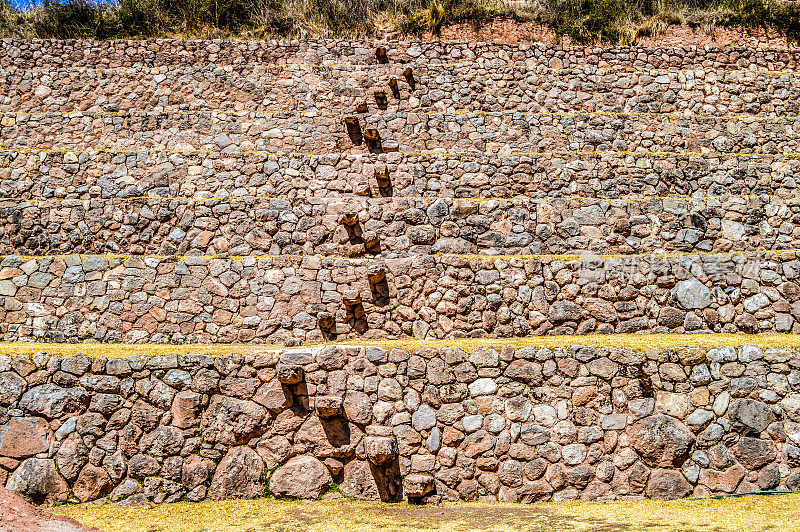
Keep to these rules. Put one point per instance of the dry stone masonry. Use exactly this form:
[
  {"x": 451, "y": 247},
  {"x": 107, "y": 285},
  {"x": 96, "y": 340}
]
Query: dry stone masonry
[
  {"x": 293, "y": 192},
  {"x": 40, "y": 174},
  {"x": 336, "y": 226},
  {"x": 311, "y": 298},
  {"x": 468, "y": 86},
  {"x": 32, "y": 53},
  {"x": 523, "y": 424},
  {"x": 510, "y": 131}
]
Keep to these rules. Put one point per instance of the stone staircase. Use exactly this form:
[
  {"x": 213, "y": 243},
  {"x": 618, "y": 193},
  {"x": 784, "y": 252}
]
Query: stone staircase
[
  {"x": 170, "y": 192},
  {"x": 204, "y": 186}
]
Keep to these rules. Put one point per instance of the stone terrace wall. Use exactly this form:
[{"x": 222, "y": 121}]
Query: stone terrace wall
[
  {"x": 41, "y": 174},
  {"x": 119, "y": 146},
  {"x": 202, "y": 299},
  {"x": 357, "y": 226},
  {"x": 468, "y": 86},
  {"x": 404, "y": 131},
  {"x": 112, "y": 54},
  {"x": 527, "y": 424}
]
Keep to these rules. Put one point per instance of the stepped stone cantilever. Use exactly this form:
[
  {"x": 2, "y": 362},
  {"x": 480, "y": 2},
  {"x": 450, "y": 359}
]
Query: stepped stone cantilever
[
  {"x": 408, "y": 73},
  {"x": 354, "y": 130},
  {"x": 381, "y": 101},
  {"x": 395, "y": 88},
  {"x": 381, "y": 55},
  {"x": 255, "y": 195},
  {"x": 373, "y": 138}
]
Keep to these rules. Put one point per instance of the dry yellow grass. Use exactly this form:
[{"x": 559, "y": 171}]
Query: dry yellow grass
[
  {"x": 753, "y": 513},
  {"x": 746, "y": 514},
  {"x": 639, "y": 342}
]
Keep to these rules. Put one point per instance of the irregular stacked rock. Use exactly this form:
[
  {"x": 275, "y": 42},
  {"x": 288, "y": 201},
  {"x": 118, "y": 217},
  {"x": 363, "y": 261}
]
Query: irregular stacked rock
[
  {"x": 508, "y": 131},
  {"x": 268, "y": 299},
  {"x": 174, "y": 191},
  {"x": 34, "y": 174},
  {"x": 314, "y": 226},
  {"x": 177, "y": 53},
  {"x": 511, "y": 424}
]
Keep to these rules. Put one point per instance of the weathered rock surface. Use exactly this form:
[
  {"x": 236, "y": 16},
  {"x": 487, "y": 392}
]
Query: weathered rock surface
[
  {"x": 238, "y": 476},
  {"x": 229, "y": 421},
  {"x": 417, "y": 485},
  {"x": 23, "y": 437},
  {"x": 11, "y": 387},
  {"x": 662, "y": 441},
  {"x": 186, "y": 409},
  {"x": 667, "y": 484},
  {"x": 749, "y": 417},
  {"x": 380, "y": 449},
  {"x": 497, "y": 425},
  {"x": 196, "y": 470},
  {"x": 302, "y": 477},
  {"x": 364, "y": 482},
  {"x": 38, "y": 481},
  {"x": 754, "y": 453},
  {"x": 92, "y": 482},
  {"x": 327, "y": 438},
  {"x": 273, "y": 395},
  {"x": 53, "y": 401}
]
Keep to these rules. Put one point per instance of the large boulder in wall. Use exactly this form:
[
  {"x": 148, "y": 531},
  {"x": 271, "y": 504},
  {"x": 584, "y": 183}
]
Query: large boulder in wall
[
  {"x": 662, "y": 441},
  {"x": 367, "y": 482},
  {"x": 22, "y": 437},
  {"x": 667, "y": 484},
  {"x": 238, "y": 476},
  {"x": 302, "y": 477}
]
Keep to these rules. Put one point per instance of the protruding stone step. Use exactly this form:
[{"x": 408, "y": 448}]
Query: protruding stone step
[
  {"x": 328, "y": 406},
  {"x": 380, "y": 449}
]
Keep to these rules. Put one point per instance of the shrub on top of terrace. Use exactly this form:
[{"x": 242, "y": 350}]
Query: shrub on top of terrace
[{"x": 583, "y": 21}]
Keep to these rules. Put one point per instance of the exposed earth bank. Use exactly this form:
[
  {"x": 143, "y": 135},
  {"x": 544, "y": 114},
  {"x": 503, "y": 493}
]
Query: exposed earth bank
[
  {"x": 18, "y": 515},
  {"x": 513, "y": 32}
]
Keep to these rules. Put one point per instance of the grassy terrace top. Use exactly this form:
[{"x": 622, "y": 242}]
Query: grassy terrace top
[{"x": 638, "y": 342}]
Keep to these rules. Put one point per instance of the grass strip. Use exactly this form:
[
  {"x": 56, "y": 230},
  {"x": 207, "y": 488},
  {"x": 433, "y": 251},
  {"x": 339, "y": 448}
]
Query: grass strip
[
  {"x": 751, "y": 513},
  {"x": 638, "y": 342}
]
